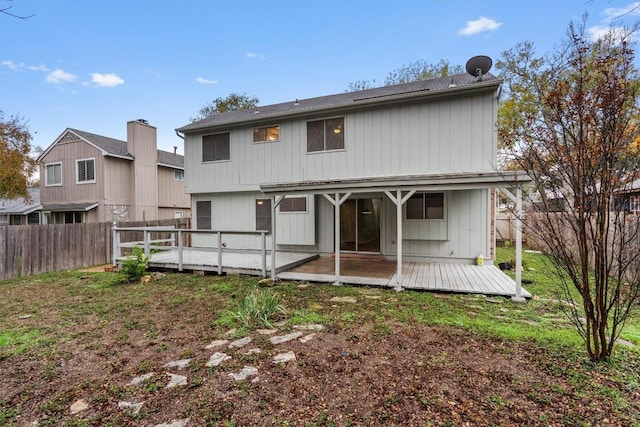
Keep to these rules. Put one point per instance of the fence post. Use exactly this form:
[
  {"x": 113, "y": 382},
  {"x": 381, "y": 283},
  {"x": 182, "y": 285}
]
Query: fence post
[
  {"x": 264, "y": 254},
  {"x": 147, "y": 251},
  {"x": 180, "y": 238},
  {"x": 116, "y": 244},
  {"x": 219, "y": 253}
]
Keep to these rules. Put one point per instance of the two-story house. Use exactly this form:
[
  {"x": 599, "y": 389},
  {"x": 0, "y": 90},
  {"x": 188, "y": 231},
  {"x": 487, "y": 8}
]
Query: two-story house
[
  {"x": 398, "y": 171},
  {"x": 86, "y": 177}
]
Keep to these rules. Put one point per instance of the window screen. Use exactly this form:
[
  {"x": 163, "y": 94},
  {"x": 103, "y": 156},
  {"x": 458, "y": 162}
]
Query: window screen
[
  {"x": 215, "y": 147},
  {"x": 203, "y": 215}
]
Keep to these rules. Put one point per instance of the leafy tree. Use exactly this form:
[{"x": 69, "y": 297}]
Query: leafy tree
[
  {"x": 572, "y": 123},
  {"x": 16, "y": 164},
  {"x": 232, "y": 102},
  {"x": 419, "y": 70}
]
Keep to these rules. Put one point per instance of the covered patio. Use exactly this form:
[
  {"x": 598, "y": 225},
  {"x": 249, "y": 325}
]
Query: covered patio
[{"x": 399, "y": 189}]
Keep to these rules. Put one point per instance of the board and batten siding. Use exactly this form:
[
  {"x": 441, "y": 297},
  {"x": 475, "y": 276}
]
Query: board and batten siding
[
  {"x": 70, "y": 191},
  {"x": 439, "y": 136},
  {"x": 465, "y": 223}
]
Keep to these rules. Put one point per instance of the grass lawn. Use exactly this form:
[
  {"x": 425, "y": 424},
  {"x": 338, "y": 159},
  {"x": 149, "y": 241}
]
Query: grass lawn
[{"x": 409, "y": 358}]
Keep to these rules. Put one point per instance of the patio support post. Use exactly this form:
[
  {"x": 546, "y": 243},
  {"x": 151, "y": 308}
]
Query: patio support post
[
  {"x": 275, "y": 202},
  {"x": 336, "y": 201},
  {"x": 517, "y": 198},
  {"x": 399, "y": 201},
  {"x": 398, "y": 286},
  {"x": 518, "y": 296}
]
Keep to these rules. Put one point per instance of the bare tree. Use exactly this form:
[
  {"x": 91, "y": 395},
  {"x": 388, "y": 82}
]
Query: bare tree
[
  {"x": 5, "y": 10},
  {"x": 572, "y": 124}
]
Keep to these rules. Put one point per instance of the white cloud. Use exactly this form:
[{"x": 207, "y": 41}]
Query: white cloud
[
  {"x": 632, "y": 9},
  {"x": 252, "y": 55},
  {"x": 479, "y": 25},
  {"x": 11, "y": 65},
  {"x": 204, "y": 81},
  {"x": 596, "y": 32},
  {"x": 38, "y": 68},
  {"x": 60, "y": 76},
  {"x": 106, "y": 80}
]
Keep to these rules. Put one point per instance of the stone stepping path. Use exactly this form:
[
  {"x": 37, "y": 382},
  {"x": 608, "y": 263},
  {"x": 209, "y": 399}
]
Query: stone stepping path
[{"x": 302, "y": 333}]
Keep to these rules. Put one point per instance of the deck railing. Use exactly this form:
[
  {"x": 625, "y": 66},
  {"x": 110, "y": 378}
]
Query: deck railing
[{"x": 152, "y": 242}]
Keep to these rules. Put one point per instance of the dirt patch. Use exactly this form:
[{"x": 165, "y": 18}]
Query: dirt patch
[{"x": 401, "y": 375}]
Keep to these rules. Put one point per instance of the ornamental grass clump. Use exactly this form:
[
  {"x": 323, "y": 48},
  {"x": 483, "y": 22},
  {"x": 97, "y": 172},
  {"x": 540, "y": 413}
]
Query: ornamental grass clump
[{"x": 258, "y": 308}]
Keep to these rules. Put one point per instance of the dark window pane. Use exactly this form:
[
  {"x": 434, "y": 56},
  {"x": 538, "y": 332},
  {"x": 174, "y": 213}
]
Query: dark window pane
[
  {"x": 203, "y": 215},
  {"x": 259, "y": 134},
  {"x": 263, "y": 214},
  {"x": 315, "y": 136},
  {"x": 215, "y": 147},
  {"x": 335, "y": 134},
  {"x": 415, "y": 206},
  {"x": 434, "y": 206},
  {"x": 294, "y": 204}
]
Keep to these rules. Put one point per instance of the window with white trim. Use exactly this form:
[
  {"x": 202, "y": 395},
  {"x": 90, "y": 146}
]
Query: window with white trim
[
  {"x": 53, "y": 174},
  {"x": 634, "y": 203},
  {"x": 178, "y": 175},
  {"x": 85, "y": 171},
  {"x": 426, "y": 206},
  {"x": 266, "y": 134}
]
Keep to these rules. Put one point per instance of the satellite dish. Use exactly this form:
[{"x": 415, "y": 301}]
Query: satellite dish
[{"x": 479, "y": 66}]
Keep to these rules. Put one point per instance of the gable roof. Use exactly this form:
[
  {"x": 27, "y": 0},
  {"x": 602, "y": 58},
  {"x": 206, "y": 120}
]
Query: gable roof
[
  {"x": 349, "y": 100},
  {"x": 114, "y": 147},
  {"x": 19, "y": 206},
  {"x": 109, "y": 146}
]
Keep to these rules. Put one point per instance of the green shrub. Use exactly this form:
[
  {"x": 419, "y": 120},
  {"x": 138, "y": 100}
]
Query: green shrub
[
  {"x": 257, "y": 308},
  {"x": 135, "y": 265}
]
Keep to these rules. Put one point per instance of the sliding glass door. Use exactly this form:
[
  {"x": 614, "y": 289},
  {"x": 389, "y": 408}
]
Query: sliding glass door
[{"x": 360, "y": 225}]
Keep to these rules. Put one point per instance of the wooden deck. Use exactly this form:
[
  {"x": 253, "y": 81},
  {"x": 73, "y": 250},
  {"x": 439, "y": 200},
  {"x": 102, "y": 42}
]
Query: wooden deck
[
  {"x": 437, "y": 277},
  {"x": 232, "y": 262}
]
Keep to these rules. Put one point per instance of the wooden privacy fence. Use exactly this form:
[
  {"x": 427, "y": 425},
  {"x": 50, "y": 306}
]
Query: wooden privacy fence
[{"x": 33, "y": 249}]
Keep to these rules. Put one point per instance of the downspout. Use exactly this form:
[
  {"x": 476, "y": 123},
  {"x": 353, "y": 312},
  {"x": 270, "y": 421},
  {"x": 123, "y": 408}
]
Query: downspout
[{"x": 178, "y": 134}]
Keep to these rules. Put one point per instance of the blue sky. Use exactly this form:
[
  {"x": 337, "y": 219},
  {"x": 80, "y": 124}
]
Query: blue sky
[{"x": 94, "y": 65}]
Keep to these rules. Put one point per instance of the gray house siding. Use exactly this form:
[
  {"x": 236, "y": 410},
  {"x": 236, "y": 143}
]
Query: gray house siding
[
  {"x": 445, "y": 135},
  {"x": 431, "y": 135}
]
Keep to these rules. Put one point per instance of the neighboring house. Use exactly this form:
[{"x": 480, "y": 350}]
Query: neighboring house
[
  {"x": 406, "y": 170},
  {"x": 92, "y": 178},
  {"x": 20, "y": 211}
]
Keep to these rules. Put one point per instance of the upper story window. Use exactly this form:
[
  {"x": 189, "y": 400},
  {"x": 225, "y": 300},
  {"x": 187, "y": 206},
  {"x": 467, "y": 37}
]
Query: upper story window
[
  {"x": 293, "y": 204},
  {"x": 53, "y": 174},
  {"x": 216, "y": 147},
  {"x": 426, "y": 206},
  {"x": 266, "y": 134},
  {"x": 324, "y": 135},
  {"x": 178, "y": 175},
  {"x": 634, "y": 203},
  {"x": 86, "y": 171}
]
